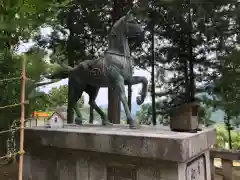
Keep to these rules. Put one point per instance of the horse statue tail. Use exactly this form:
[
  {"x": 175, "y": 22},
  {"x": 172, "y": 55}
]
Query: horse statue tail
[{"x": 60, "y": 73}]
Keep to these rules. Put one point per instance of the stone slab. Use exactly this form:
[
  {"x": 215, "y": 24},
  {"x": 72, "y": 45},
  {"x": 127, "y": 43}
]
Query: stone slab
[{"x": 147, "y": 142}]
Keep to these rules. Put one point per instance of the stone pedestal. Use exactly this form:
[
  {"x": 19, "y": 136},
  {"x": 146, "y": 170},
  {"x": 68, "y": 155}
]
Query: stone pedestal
[{"x": 117, "y": 153}]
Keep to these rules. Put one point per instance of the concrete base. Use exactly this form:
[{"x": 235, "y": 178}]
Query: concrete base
[{"x": 109, "y": 153}]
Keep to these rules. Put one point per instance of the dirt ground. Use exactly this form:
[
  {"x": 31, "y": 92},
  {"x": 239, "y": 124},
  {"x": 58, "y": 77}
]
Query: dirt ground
[{"x": 9, "y": 172}]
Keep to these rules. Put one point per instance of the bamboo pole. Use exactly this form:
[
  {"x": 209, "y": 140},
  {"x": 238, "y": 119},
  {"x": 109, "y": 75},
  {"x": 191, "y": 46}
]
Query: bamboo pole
[{"x": 21, "y": 151}]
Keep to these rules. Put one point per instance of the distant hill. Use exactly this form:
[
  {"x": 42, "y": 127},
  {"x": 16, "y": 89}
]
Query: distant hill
[
  {"x": 135, "y": 107},
  {"x": 217, "y": 116}
]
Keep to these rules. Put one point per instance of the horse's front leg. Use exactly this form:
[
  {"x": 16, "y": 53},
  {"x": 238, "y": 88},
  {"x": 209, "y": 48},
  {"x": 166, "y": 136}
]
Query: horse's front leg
[
  {"x": 136, "y": 80},
  {"x": 121, "y": 89}
]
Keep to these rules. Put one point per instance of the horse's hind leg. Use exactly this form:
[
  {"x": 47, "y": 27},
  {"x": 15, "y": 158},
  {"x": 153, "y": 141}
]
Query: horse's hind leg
[
  {"x": 74, "y": 95},
  {"x": 93, "y": 92},
  {"x": 78, "y": 119}
]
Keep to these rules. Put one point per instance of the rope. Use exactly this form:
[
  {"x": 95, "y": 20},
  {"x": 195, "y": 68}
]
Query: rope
[
  {"x": 16, "y": 78},
  {"x": 13, "y": 105},
  {"x": 10, "y": 79},
  {"x": 11, "y": 155},
  {"x": 10, "y": 130}
]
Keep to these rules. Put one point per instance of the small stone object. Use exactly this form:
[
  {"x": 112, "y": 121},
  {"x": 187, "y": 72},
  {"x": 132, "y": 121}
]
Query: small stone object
[{"x": 184, "y": 118}]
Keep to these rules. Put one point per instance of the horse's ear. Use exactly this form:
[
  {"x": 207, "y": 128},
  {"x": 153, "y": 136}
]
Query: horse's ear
[
  {"x": 129, "y": 12},
  {"x": 129, "y": 16}
]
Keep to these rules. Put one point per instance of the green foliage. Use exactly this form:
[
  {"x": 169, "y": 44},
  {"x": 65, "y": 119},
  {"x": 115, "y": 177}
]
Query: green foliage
[
  {"x": 205, "y": 113},
  {"x": 80, "y": 31},
  {"x": 144, "y": 115},
  {"x": 10, "y": 90},
  {"x": 222, "y": 137},
  {"x": 228, "y": 85},
  {"x": 188, "y": 42},
  {"x": 11, "y": 66},
  {"x": 19, "y": 19},
  {"x": 58, "y": 97}
]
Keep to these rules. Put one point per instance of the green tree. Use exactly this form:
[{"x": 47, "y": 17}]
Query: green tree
[
  {"x": 19, "y": 20},
  {"x": 205, "y": 113},
  {"x": 188, "y": 33},
  {"x": 144, "y": 115},
  {"x": 10, "y": 90},
  {"x": 58, "y": 96},
  {"x": 222, "y": 137},
  {"x": 227, "y": 87}
]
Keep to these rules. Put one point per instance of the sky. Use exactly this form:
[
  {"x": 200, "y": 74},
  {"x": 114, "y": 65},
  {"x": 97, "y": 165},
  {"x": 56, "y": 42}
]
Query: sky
[{"x": 103, "y": 93}]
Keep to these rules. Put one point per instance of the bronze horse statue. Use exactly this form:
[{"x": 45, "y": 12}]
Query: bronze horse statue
[{"x": 113, "y": 70}]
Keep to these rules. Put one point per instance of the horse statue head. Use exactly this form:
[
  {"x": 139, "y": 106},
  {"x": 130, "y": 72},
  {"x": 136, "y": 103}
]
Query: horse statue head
[{"x": 123, "y": 29}]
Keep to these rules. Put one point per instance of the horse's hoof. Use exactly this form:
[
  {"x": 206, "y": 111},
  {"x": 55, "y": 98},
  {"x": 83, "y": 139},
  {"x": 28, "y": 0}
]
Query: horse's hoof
[
  {"x": 78, "y": 121},
  {"x": 134, "y": 125},
  {"x": 107, "y": 123},
  {"x": 139, "y": 100}
]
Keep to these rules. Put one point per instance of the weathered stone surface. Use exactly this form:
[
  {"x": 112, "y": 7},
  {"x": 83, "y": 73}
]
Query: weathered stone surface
[
  {"x": 147, "y": 142},
  {"x": 82, "y": 172},
  {"x": 101, "y": 153},
  {"x": 97, "y": 170},
  {"x": 196, "y": 169},
  {"x": 66, "y": 169},
  {"x": 38, "y": 168},
  {"x": 121, "y": 173}
]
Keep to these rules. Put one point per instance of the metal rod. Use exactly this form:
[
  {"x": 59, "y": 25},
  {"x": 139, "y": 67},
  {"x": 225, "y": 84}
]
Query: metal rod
[
  {"x": 21, "y": 151},
  {"x": 191, "y": 59},
  {"x": 91, "y": 114},
  {"x": 153, "y": 72}
]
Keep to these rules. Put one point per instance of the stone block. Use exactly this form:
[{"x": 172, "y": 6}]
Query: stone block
[
  {"x": 110, "y": 153},
  {"x": 185, "y": 118}
]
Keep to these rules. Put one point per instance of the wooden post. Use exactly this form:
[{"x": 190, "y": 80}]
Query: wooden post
[
  {"x": 114, "y": 107},
  {"x": 212, "y": 168},
  {"x": 227, "y": 169},
  {"x": 21, "y": 151}
]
